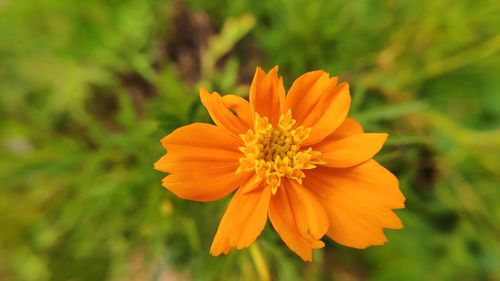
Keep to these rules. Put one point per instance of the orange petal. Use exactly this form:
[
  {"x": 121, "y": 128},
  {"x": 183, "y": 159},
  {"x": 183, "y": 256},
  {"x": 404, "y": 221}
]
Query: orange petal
[
  {"x": 202, "y": 160},
  {"x": 251, "y": 184},
  {"x": 221, "y": 114},
  {"x": 203, "y": 186},
  {"x": 201, "y": 135},
  {"x": 308, "y": 212},
  {"x": 243, "y": 221},
  {"x": 347, "y": 128},
  {"x": 306, "y": 92},
  {"x": 242, "y": 108},
  {"x": 283, "y": 215},
  {"x": 330, "y": 111},
  {"x": 184, "y": 163},
  {"x": 267, "y": 94},
  {"x": 358, "y": 202},
  {"x": 352, "y": 150}
]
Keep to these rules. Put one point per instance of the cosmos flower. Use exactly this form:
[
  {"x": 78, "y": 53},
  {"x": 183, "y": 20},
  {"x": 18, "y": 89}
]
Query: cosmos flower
[{"x": 295, "y": 158}]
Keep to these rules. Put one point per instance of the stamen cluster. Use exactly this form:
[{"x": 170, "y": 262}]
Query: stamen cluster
[{"x": 274, "y": 153}]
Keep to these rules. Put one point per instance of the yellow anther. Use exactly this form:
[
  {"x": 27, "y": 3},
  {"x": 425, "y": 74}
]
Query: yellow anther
[
  {"x": 286, "y": 121},
  {"x": 261, "y": 167},
  {"x": 276, "y": 152}
]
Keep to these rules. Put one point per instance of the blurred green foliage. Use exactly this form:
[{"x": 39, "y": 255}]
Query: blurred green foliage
[{"x": 88, "y": 88}]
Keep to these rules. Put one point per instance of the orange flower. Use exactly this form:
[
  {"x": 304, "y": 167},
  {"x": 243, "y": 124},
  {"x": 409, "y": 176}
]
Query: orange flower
[{"x": 296, "y": 158}]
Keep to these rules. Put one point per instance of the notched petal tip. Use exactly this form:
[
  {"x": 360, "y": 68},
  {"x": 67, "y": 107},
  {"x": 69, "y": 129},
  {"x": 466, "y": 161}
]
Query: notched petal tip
[
  {"x": 203, "y": 93},
  {"x": 267, "y": 94},
  {"x": 285, "y": 216},
  {"x": 222, "y": 114},
  {"x": 217, "y": 250},
  {"x": 157, "y": 165},
  {"x": 359, "y": 202},
  {"x": 259, "y": 72}
]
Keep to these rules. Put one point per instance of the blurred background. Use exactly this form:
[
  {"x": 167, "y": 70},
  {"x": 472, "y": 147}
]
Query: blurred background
[{"x": 88, "y": 88}]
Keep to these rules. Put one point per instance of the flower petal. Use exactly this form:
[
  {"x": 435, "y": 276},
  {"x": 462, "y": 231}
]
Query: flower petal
[
  {"x": 283, "y": 218},
  {"x": 203, "y": 186},
  {"x": 202, "y": 160},
  {"x": 330, "y": 111},
  {"x": 267, "y": 94},
  {"x": 306, "y": 92},
  {"x": 348, "y": 128},
  {"x": 309, "y": 214},
  {"x": 352, "y": 150},
  {"x": 241, "y": 106},
  {"x": 252, "y": 183},
  {"x": 221, "y": 114},
  {"x": 243, "y": 221},
  {"x": 358, "y": 202}
]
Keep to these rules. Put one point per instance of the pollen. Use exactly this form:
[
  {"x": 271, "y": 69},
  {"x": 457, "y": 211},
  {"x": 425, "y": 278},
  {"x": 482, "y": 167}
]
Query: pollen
[{"x": 276, "y": 152}]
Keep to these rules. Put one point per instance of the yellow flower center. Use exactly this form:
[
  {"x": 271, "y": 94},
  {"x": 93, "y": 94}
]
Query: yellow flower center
[{"x": 274, "y": 153}]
